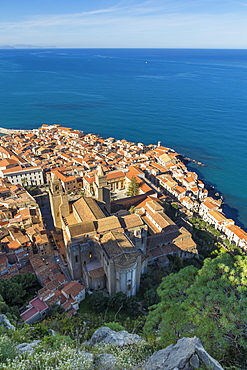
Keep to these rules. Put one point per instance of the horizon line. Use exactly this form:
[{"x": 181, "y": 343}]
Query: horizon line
[{"x": 9, "y": 47}]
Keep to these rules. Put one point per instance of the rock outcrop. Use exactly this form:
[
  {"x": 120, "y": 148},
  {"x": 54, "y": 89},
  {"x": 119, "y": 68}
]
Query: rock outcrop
[
  {"x": 5, "y": 322},
  {"x": 106, "y": 361},
  {"x": 27, "y": 347},
  {"x": 186, "y": 354},
  {"x": 121, "y": 338}
]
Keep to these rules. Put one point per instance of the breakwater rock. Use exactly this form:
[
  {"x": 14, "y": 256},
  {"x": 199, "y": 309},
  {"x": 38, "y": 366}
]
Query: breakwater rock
[{"x": 10, "y": 131}]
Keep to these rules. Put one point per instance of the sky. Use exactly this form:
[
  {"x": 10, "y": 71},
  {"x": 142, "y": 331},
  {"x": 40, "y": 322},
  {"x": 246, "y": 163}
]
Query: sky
[{"x": 124, "y": 23}]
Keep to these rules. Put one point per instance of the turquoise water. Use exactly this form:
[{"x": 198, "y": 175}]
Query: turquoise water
[{"x": 192, "y": 100}]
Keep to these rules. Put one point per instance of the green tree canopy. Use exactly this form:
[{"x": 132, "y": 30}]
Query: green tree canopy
[
  {"x": 18, "y": 290},
  {"x": 98, "y": 301},
  {"x": 151, "y": 297},
  {"x": 133, "y": 188},
  {"x": 210, "y": 303},
  {"x": 117, "y": 300},
  {"x": 132, "y": 304}
]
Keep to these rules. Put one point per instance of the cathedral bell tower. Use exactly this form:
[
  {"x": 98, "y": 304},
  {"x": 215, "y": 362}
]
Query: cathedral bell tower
[
  {"x": 58, "y": 200},
  {"x": 102, "y": 189}
]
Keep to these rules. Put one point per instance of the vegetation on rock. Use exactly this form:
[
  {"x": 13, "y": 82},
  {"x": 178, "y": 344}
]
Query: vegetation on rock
[{"x": 210, "y": 303}]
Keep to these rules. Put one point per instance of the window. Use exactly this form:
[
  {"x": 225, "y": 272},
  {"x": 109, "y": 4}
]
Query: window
[{"x": 76, "y": 259}]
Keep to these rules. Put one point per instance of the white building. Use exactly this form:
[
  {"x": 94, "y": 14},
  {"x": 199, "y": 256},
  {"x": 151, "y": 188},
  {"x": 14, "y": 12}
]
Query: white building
[{"x": 24, "y": 175}]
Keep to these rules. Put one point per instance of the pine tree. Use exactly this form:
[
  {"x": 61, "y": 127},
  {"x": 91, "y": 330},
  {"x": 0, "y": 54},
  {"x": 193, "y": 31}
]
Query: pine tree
[
  {"x": 133, "y": 188},
  {"x": 210, "y": 303}
]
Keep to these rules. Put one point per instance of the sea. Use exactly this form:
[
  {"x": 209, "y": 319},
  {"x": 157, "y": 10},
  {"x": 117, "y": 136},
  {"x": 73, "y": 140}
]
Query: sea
[{"x": 192, "y": 100}]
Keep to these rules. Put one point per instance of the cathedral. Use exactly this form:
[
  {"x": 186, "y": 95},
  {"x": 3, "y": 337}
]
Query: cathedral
[
  {"x": 111, "y": 252},
  {"x": 102, "y": 250}
]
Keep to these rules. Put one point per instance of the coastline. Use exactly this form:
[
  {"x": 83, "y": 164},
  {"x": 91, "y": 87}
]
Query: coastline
[
  {"x": 190, "y": 163},
  {"x": 197, "y": 121},
  {"x": 214, "y": 191},
  {"x": 9, "y": 131}
]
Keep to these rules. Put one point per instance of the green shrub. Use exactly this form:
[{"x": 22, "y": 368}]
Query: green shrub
[
  {"x": 7, "y": 349},
  {"x": 98, "y": 301},
  {"x": 114, "y": 326},
  {"x": 65, "y": 358},
  {"x": 56, "y": 341}
]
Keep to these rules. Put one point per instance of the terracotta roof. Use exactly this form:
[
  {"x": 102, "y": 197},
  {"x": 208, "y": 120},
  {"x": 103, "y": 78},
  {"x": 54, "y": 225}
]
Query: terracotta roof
[
  {"x": 115, "y": 175},
  {"x": 6, "y": 162},
  {"x": 21, "y": 169},
  {"x": 87, "y": 209},
  {"x": 82, "y": 229},
  {"x": 161, "y": 238},
  {"x": 73, "y": 288},
  {"x": 97, "y": 273},
  {"x": 29, "y": 313},
  {"x": 107, "y": 223},
  {"x": 14, "y": 244},
  {"x": 39, "y": 304},
  {"x": 133, "y": 171},
  {"x": 209, "y": 205},
  {"x": 3, "y": 260},
  {"x": 64, "y": 178},
  {"x": 131, "y": 221},
  {"x": 180, "y": 189},
  {"x": 119, "y": 248},
  {"x": 216, "y": 215},
  {"x": 53, "y": 284},
  {"x": 238, "y": 231},
  {"x": 165, "y": 157}
]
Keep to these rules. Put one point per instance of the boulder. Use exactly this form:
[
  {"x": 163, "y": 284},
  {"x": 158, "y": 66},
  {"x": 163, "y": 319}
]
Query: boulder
[
  {"x": 87, "y": 360},
  {"x": 105, "y": 361},
  {"x": 121, "y": 338},
  {"x": 5, "y": 322},
  {"x": 186, "y": 354},
  {"x": 27, "y": 347},
  {"x": 206, "y": 359}
]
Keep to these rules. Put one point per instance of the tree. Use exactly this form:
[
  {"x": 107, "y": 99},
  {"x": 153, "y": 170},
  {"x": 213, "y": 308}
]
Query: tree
[
  {"x": 98, "y": 301},
  {"x": 132, "y": 304},
  {"x": 176, "y": 262},
  {"x": 133, "y": 188},
  {"x": 12, "y": 293},
  {"x": 24, "y": 181},
  {"x": 210, "y": 303},
  {"x": 151, "y": 297},
  {"x": 18, "y": 290},
  {"x": 132, "y": 210},
  {"x": 27, "y": 281},
  {"x": 117, "y": 300}
]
